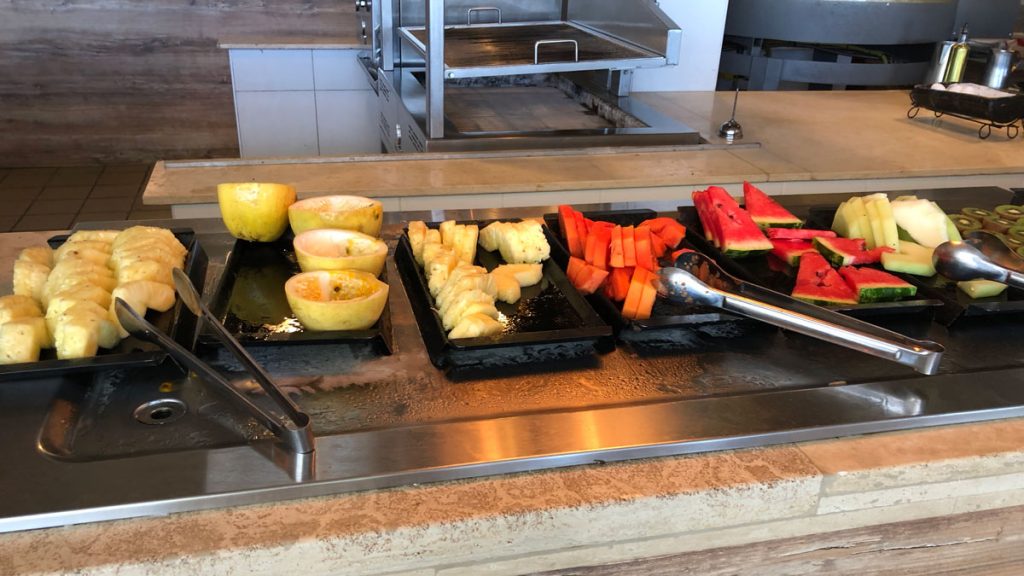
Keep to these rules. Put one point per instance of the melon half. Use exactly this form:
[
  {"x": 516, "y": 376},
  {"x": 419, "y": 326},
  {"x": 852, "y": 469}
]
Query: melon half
[
  {"x": 337, "y": 299},
  {"x": 255, "y": 211},
  {"x": 333, "y": 249},
  {"x": 344, "y": 212}
]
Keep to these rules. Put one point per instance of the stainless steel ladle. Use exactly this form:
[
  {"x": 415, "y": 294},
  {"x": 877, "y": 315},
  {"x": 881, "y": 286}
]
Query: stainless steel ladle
[{"x": 981, "y": 255}]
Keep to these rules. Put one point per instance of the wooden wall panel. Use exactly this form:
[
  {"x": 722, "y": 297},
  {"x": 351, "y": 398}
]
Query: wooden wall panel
[{"x": 85, "y": 81}]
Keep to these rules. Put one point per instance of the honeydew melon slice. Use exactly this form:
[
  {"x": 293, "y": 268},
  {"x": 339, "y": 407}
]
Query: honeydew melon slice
[
  {"x": 922, "y": 220},
  {"x": 860, "y": 213}
]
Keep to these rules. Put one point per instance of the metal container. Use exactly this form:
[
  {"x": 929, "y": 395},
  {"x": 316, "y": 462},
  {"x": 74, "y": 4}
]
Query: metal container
[
  {"x": 1000, "y": 64},
  {"x": 940, "y": 62}
]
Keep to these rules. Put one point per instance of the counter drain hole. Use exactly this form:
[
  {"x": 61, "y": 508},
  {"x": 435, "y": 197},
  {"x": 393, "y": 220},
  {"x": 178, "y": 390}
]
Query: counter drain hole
[{"x": 163, "y": 411}]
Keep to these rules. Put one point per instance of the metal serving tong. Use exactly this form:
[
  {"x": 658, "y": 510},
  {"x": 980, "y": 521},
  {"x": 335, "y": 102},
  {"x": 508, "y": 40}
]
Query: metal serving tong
[
  {"x": 697, "y": 280},
  {"x": 294, "y": 429}
]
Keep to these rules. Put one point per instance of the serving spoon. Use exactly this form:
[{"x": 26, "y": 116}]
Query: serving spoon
[{"x": 981, "y": 255}]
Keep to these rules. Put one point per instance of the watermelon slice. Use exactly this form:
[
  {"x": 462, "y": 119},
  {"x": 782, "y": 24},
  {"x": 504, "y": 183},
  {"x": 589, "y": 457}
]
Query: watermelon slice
[
  {"x": 767, "y": 212},
  {"x": 839, "y": 251},
  {"x": 818, "y": 283},
  {"x": 789, "y": 251},
  {"x": 874, "y": 285},
  {"x": 702, "y": 203},
  {"x": 798, "y": 233},
  {"x": 736, "y": 234},
  {"x": 873, "y": 256}
]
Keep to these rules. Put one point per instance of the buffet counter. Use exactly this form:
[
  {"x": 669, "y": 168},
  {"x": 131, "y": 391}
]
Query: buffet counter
[
  {"x": 795, "y": 142},
  {"x": 949, "y": 496}
]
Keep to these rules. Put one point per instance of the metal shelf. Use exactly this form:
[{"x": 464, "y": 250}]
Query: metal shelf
[{"x": 530, "y": 48}]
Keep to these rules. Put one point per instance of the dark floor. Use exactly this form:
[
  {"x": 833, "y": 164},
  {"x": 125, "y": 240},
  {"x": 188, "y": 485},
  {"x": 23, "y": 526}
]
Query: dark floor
[{"x": 57, "y": 198}]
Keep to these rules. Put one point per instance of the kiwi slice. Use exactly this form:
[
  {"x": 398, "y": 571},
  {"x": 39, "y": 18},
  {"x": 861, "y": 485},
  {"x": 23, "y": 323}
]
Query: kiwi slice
[
  {"x": 1012, "y": 242},
  {"x": 1010, "y": 212},
  {"x": 1020, "y": 251},
  {"x": 977, "y": 213},
  {"x": 997, "y": 224},
  {"x": 965, "y": 223},
  {"x": 1016, "y": 232}
]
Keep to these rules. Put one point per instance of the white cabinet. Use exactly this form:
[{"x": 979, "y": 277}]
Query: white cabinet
[{"x": 302, "y": 102}]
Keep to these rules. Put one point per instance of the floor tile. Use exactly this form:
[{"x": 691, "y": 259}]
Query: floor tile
[
  {"x": 125, "y": 176},
  {"x": 44, "y": 222},
  {"x": 19, "y": 194},
  {"x": 28, "y": 177},
  {"x": 64, "y": 193},
  {"x": 107, "y": 205},
  {"x": 76, "y": 176},
  {"x": 13, "y": 206},
  {"x": 101, "y": 216},
  {"x": 8, "y": 222},
  {"x": 55, "y": 206},
  {"x": 115, "y": 191}
]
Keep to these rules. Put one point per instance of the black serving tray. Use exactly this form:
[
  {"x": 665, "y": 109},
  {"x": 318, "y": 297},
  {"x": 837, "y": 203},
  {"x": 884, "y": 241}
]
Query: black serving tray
[
  {"x": 768, "y": 271},
  {"x": 551, "y": 321},
  {"x": 179, "y": 323},
  {"x": 666, "y": 314},
  {"x": 250, "y": 301},
  {"x": 997, "y": 110},
  {"x": 955, "y": 304}
]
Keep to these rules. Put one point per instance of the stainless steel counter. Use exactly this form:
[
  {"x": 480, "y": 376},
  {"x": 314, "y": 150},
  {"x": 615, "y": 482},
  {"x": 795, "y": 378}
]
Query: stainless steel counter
[{"x": 388, "y": 421}]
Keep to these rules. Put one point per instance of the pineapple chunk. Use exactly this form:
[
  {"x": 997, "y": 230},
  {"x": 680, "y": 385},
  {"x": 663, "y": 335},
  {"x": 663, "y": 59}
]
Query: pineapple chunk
[
  {"x": 456, "y": 309},
  {"x": 154, "y": 295},
  {"x": 84, "y": 293},
  {"x": 485, "y": 308},
  {"x": 17, "y": 306},
  {"x": 139, "y": 234},
  {"x": 38, "y": 254},
  {"x": 438, "y": 270},
  {"x": 447, "y": 230},
  {"x": 417, "y": 234},
  {"x": 433, "y": 251},
  {"x": 488, "y": 237},
  {"x": 525, "y": 274},
  {"x": 462, "y": 269},
  {"x": 504, "y": 287},
  {"x": 87, "y": 254},
  {"x": 54, "y": 287},
  {"x": 106, "y": 236},
  {"x": 465, "y": 242},
  {"x": 123, "y": 258},
  {"x": 451, "y": 291},
  {"x": 533, "y": 246},
  {"x": 476, "y": 326},
  {"x": 30, "y": 279},
  {"x": 83, "y": 315},
  {"x": 146, "y": 270},
  {"x": 20, "y": 340},
  {"x": 76, "y": 338},
  {"x": 90, "y": 245}
]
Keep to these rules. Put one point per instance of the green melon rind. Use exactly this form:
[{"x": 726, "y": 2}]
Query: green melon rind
[
  {"x": 738, "y": 253},
  {"x": 881, "y": 292},
  {"x": 835, "y": 256},
  {"x": 818, "y": 299},
  {"x": 778, "y": 223},
  {"x": 981, "y": 288}
]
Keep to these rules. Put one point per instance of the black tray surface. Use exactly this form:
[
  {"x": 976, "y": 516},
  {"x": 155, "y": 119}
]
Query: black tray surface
[
  {"x": 770, "y": 272},
  {"x": 665, "y": 314},
  {"x": 179, "y": 323},
  {"x": 551, "y": 320},
  {"x": 250, "y": 301}
]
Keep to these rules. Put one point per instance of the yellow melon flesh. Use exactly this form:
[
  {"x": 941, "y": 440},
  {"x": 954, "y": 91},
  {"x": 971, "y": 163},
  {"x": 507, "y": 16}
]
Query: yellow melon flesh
[
  {"x": 255, "y": 211},
  {"x": 336, "y": 299},
  {"x": 344, "y": 212},
  {"x": 333, "y": 249}
]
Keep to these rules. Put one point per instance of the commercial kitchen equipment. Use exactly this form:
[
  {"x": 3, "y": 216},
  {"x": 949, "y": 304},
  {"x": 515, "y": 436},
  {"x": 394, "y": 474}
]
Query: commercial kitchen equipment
[{"x": 460, "y": 75}]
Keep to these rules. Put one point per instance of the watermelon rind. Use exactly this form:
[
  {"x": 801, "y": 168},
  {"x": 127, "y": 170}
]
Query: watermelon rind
[
  {"x": 874, "y": 285},
  {"x": 831, "y": 250},
  {"x": 818, "y": 283},
  {"x": 766, "y": 212},
  {"x": 790, "y": 251}
]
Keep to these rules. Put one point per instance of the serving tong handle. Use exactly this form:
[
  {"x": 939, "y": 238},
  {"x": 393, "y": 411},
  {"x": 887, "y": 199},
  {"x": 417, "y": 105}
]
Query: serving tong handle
[
  {"x": 294, "y": 429},
  {"x": 752, "y": 301}
]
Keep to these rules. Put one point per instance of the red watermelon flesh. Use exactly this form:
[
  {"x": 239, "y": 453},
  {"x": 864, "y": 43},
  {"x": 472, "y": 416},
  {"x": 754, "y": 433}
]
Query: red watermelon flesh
[
  {"x": 873, "y": 256},
  {"x": 702, "y": 204},
  {"x": 839, "y": 251},
  {"x": 798, "y": 233},
  {"x": 873, "y": 285},
  {"x": 736, "y": 234},
  {"x": 765, "y": 211},
  {"x": 789, "y": 251},
  {"x": 818, "y": 283}
]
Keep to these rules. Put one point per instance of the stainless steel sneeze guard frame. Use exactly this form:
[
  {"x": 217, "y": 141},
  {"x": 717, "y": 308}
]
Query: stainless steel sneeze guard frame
[{"x": 417, "y": 425}]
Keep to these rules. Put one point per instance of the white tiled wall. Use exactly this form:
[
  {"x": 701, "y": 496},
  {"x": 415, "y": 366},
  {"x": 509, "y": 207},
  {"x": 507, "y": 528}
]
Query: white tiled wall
[{"x": 277, "y": 123}]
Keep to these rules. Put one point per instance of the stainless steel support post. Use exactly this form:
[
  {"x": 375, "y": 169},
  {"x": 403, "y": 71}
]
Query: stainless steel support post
[{"x": 435, "y": 68}]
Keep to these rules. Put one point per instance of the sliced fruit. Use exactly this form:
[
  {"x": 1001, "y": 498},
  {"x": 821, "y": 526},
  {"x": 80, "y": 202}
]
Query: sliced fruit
[
  {"x": 797, "y": 233},
  {"x": 30, "y": 279},
  {"x": 981, "y": 288},
  {"x": 335, "y": 249},
  {"x": 997, "y": 224},
  {"x": 952, "y": 231},
  {"x": 364, "y": 215},
  {"x": 670, "y": 230},
  {"x": 336, "y": 299},
  {"x": 658, "y": 247},
  {"x": 616, "y": 257},
  {"x": 890, "y": 232},
  {"x": 818, "y": 283},
  {"x": 789, "y": 251},
  {"x": 977, "y": 213},
  {"x": 466, "y": 241},
  {"x": 573, "y": 269},
  {"x": 859, "y": 213},
  {"x": 525, "y": 274},
  {"x": 449, "y": 294},
  {"x": 22, "y": 339},
  {"x": 1010, "y": 212},
  {"x": 875, "y": 220},
  {"x": 922, "y": 220},
  {"x": 618, "y": 283},
  {"x": 417, "y": 235},
  {"x": 255, "y": 211},
  {"x": 503, "y": 287},
  {"x": 476, "y": 325},
  {"x": 964, "y": 223},
  {"x": 874, "y": 285},
  {"x": 489, "y": 236},
  {"x": 466, "y": 302},
  {"x": 872, "y": 256},
  {"x": 567, "y": 224},
  {"x": 447, "y": 229},
  {"x": 839, "y": 251},
  {"x": 737, "y": 235},
  {"x": 629, "y": 246},
  {"x": 644, "y": 256},
  {"x": 765, "y": 211},
  {"x": 17, "y": 306},
  {"x": 908, "y": 263},
  {"x": 590, "y": 279},
  {"x": 639, "y": 301},
  {"x": 702, "y": 204},
  {"x": 438, "y": 271},
  {"x": 1016, "y": 232},
  {"x": 523, "y": 242}
]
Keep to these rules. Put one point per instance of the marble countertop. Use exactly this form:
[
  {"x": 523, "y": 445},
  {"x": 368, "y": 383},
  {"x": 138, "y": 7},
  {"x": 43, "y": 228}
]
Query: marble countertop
[{"x": 803, "y": 136}]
